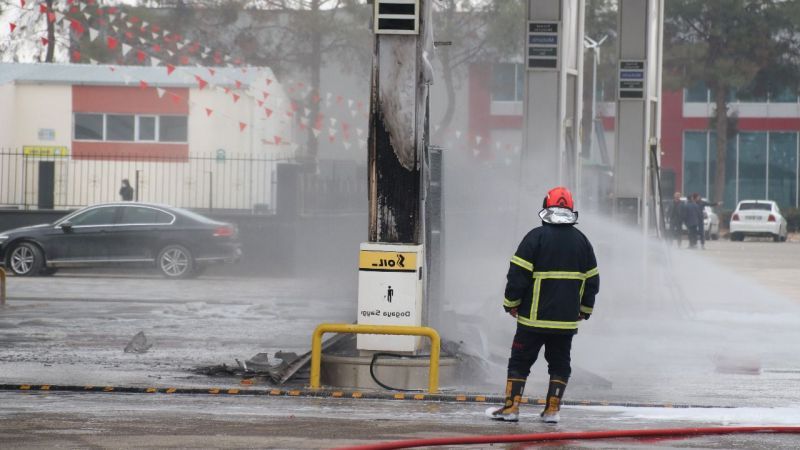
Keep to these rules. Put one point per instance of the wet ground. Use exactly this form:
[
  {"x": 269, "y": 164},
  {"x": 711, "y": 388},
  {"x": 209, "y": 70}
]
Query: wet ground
[{"x": 735, "y": 353}]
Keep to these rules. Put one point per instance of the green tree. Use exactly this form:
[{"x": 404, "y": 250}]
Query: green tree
[{"x": 730, "y": 46}]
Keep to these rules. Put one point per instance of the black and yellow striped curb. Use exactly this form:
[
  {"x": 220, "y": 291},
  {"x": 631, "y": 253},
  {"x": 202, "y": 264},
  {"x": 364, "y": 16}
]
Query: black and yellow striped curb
[{"x": 327, "y": 393}]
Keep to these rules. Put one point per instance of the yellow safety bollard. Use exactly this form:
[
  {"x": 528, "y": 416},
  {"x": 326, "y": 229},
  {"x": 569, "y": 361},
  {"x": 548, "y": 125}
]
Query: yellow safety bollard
[
  {"x": 433, "y": 335},
  {"x": 2, "y": 287}
]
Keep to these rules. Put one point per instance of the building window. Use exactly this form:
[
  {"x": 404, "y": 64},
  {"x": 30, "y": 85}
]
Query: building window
[
  {"x": 783, "y": 168},
  {"x": 146, "y": 130},
  {"x": 698, "y": 93},
  {"x": 508, "y": 82},
  {"x": 130, "y": 128},
  {"x": 120, "y": 128},
  {"x": 173, "y": 128},
  {"x": 695, "y": 162},
  {"x": 752, "y": 166},
  {"x": 89, "y": 127}
]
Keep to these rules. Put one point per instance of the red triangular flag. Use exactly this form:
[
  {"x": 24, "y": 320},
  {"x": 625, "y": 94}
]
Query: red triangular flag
[
  {"x": 268, "y": 111},
  {"x": 143, "y": 84},
  {"x": 12, "y": 26},
  {"x": 203, "y": 83},
  {"x": 212, "y": 71},
  {"x": 170, "y": 69},
  {"x": 238, "y": 84},
  {"x": 260, "y": 102},
  {"x": 175, "y": 97},
  {"x": 22, "y": 3},
  {"x": 140, "y": 55},
  {"x": 42, "y": 8},
  {"x": 242, "y": 126},
  {"x": 266, "y": 94},
  {"x": 235, "y": 98},
  {"x": 112, "y": 42},
  {"x": 45, "y": 41},
  {"x": 156, "y": 48},
  {"x": 227, "y": 90},
  {"x": 51, "y": 16},
  {"x": 76, "y": 55},
  {"x": 278, "y": 140},
  {"x": 77, "y": 26},
  {"x": 185, "y": 60},
  {"x": 269, "y": 81},
  {"x": 209, "y": 111}
]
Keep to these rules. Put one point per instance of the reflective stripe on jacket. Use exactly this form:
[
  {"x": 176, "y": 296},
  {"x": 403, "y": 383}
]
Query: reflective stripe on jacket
[{"x": 552, "y": 278}]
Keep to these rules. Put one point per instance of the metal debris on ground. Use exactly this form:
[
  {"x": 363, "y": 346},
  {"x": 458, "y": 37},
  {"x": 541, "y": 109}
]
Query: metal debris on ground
[
  {"x": 138, "y": 344},
  {"x": 283, "y": 367}
]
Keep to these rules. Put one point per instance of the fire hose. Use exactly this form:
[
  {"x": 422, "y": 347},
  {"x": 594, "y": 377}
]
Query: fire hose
[{"x": 576, "y": 435}]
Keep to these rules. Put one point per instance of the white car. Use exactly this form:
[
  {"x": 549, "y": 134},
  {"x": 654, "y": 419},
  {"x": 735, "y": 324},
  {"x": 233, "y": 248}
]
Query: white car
[
  {"x": 758, "y": 218},
  {"x": 710, "y": 223}
]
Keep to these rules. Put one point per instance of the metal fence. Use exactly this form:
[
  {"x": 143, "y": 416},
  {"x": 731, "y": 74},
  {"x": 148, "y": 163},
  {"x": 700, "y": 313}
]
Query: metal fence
[
  {"x": 206, "y": 182},
  {"x": 35, "y": 181}
]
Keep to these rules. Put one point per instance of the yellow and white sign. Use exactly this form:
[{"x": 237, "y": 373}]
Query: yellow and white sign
[
  {"x": 390, "y": 293},
  {"x": 45, "y": 151}
]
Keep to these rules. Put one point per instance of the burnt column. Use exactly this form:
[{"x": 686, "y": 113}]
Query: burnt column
[{"x": 398, "y": 133}]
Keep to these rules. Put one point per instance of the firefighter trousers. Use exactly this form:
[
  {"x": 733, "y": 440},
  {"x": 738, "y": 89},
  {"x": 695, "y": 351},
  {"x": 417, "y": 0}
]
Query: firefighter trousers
[{"x": 525, "y": 350}]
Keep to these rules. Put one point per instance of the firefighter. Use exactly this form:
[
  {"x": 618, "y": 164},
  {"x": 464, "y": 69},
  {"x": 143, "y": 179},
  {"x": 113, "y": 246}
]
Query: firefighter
[{"x": 552, "y": 283}]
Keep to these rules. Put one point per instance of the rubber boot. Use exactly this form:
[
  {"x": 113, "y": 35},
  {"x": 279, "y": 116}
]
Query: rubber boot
[
  {"x": 509, "y": 412},
  {"x": 553, "y": 403}
]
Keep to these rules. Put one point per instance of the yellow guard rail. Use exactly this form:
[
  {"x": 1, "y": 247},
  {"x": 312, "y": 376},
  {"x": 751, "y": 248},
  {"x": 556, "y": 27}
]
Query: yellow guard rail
[{"x": 316, "y": 346}]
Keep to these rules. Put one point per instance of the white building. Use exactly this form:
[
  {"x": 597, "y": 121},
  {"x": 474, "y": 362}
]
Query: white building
[{"x": 186, "y": 136}]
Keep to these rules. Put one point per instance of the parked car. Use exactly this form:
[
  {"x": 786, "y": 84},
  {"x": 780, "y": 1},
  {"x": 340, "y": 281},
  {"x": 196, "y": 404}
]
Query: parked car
[
  {"x": 710, "y": 223},
  {"x": 758, "y": 218},
  {"x": 178, "y": 242}
]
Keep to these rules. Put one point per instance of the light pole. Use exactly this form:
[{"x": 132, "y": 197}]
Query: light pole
[{"x": 594, "y": 46}]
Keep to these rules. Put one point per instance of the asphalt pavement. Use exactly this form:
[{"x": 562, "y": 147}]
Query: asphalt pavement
[{"x": 728, "y": 344}]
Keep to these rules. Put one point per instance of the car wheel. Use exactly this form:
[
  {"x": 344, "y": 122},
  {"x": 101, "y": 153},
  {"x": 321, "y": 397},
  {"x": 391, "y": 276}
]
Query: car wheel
[
  {"x": 25, "y": 260},
  {"x": 715, "y": 236},
  {"x": 737, "y": 237},
  {"x": 175, "y": 261}
]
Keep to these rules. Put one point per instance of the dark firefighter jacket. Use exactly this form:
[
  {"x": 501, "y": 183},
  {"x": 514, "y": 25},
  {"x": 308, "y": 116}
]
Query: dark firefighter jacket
[{"x": 553, "y": 278}]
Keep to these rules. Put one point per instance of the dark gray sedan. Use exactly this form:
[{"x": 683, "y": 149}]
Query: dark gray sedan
[{"x": 178, "y": 242}]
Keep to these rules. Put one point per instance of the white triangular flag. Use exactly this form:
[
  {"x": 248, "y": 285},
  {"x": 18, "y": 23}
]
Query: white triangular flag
[
  {"x": 475, "y": 152},
  {"x": 458, "y": 134},
  {"x": 307, "y": 112},
  {"x": 359, "y": 132},
  {"x": 347, "y": 145},
  {"x": 127, "y": 78},
  {"x": 93, "y": 33},
  {"x": 316, "y": 132},
  {"x": 87, "y": 16},
  {"x": 155, "y": 35},
  {"x": 160, "y": 92},
  {"x": 350, "y": 103},
  {"x": 436, "y": 128},
  {"x": 478, "y": 140},
  {"x": 125, "y": 49},
  {"x": 92, "y": 61},
  {"x": 333, "y": 121},
  {"x": 154, "y": 61}
]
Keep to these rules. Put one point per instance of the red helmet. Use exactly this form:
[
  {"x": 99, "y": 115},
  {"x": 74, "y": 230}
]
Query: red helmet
[{"x": 559, "y": 197}]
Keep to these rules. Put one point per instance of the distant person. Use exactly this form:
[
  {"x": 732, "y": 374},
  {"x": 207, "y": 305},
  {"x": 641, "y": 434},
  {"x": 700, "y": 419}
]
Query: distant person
[
  {"x": 126, "y": 191},
  {"x": 693, "y": 218},
  {"x": 675, "y": 215},
  {"x": 552, "y": 283}
]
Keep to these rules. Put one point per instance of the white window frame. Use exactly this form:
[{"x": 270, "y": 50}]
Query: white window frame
[{"x": 137, "y": 128}]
